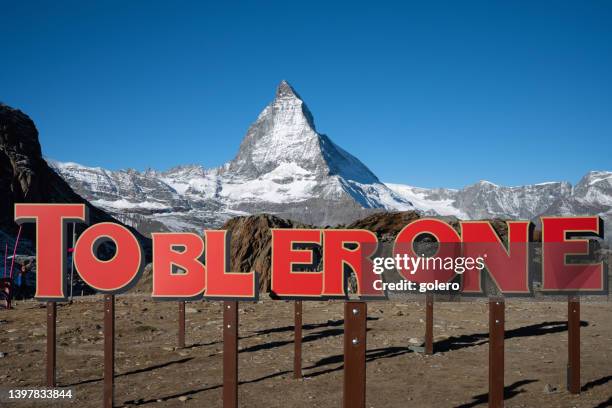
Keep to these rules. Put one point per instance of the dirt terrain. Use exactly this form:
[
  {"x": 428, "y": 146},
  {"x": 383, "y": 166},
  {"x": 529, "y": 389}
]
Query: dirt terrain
[{"x": 151, "y": 371}]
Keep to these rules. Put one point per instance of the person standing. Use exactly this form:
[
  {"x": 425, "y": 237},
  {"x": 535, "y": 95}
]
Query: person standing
[{"x": 19, "y": 282}]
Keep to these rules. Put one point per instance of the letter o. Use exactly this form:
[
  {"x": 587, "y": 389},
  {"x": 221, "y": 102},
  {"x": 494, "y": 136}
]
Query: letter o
[
  {"x": 117, "y": 274},
  {"x": 449, "y": 245}
]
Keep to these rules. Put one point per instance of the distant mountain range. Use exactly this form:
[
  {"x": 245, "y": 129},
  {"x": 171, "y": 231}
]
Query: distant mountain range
[
  {"x": 591, "y": 196},
  {"x": 284, "y": 166}
]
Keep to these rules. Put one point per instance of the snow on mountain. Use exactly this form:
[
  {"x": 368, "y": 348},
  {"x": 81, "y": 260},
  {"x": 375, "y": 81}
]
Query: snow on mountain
[
  {"x": 439, "y": 201},
  {"x": 283, "y": 166},
  {"x": 284, "y": 160},
  {"x": 485, "y": 199},
  {"x": 595, "y": 187},
  {"x": 592, "y": 195}
]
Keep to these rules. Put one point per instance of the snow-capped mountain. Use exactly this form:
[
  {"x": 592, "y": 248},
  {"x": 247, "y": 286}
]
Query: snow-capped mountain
[
  {"x": 284, "y": 166},
  {"x": 591, "y": 196},
  {"x": 485, "y": 199}
]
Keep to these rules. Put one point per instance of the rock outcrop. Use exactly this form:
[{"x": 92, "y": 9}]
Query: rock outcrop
[
  {"x": 25, "y": 177},
  {"x": 251, "y": 243}
]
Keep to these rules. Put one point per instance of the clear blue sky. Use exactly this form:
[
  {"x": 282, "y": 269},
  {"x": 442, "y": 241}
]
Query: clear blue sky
[{"x": 436, "y": 94}]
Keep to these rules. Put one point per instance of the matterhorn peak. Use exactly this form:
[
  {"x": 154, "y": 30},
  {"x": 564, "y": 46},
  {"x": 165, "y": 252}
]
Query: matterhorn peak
[
  {"x": 290, "y": 105},
  {"x": 283, "y": 132},
  {"x": 285, "y": 90},
  {"x": 288, "y": 100}
]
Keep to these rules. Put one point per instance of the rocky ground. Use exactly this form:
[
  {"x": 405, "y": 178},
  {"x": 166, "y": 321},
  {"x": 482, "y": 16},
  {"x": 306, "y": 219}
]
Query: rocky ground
[{"x": 152, "y": 371}]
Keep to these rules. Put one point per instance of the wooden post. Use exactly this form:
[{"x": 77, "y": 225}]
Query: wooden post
[
  {"x": 297, "y": 340},
  {"x": 51, "y": 343},
  {"x": 109, "y": 350},
  {"x": 429, "y": 304},
  {"x": 496, "y": 353},
  {"x": 573, "y": 345},
  {"x": 230, "y": 354},
  {"x": 181, "y": 321},
  {"x": 355, "y": 314}
]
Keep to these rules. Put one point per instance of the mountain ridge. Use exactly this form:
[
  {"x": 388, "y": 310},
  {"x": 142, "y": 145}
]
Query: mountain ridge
[{"x": 445, "y": 197}]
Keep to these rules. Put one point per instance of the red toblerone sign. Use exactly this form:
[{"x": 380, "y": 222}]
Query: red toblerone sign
[{"x": 188, "y": 266}]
